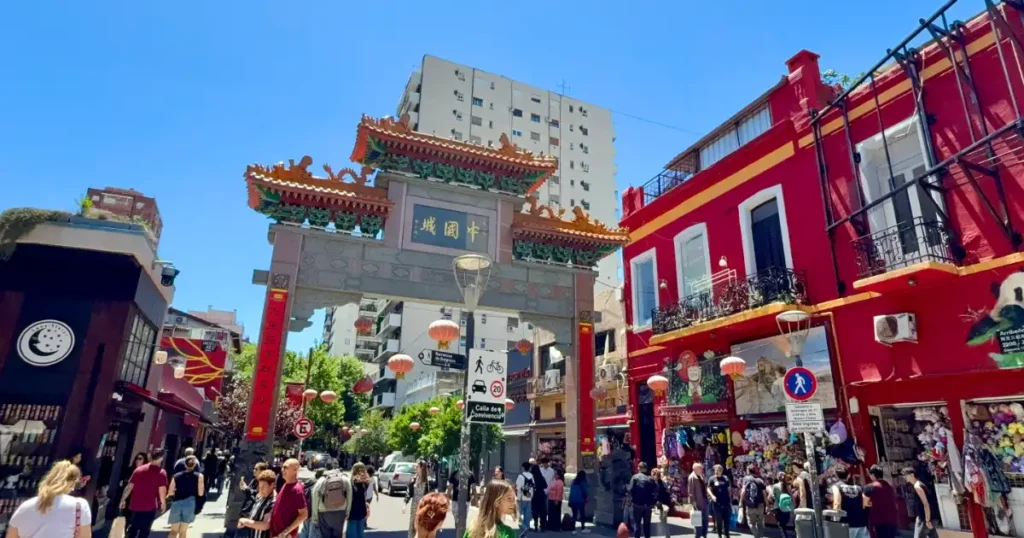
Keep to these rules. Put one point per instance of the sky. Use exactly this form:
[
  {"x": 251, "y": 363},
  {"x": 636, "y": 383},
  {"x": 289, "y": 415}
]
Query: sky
[{"x": 174, "y": 99}]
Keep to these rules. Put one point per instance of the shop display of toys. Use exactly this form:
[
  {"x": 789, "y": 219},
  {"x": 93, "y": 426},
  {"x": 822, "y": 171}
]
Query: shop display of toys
[
  {"x": 934, "y": 437},
  {"x": 1002, "y": 431}
]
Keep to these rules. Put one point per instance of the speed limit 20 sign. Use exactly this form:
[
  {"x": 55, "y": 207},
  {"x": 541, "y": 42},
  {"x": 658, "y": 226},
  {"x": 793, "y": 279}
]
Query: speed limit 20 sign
[{"x": 303, "y": 428}]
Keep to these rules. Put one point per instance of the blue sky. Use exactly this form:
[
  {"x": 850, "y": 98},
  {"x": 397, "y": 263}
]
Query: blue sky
[{"x": 175, "y": 98}]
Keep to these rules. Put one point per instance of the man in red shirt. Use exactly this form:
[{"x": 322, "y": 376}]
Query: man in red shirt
[
  {"x": 148, "y": 490},
  {"x": 290, "y": 505},
  {"x": 881, "y": 501}
]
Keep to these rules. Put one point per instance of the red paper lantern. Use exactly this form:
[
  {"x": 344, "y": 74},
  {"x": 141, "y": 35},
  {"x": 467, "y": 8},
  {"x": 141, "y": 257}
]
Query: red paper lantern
[
  {"x": 460, "y": 404},
  {"x": 524, "y": 346},
  {"x": 733, "y": 366},
  {"x": 363, "y": 324},
  {"x": 363, "y": 386},
  {"x": 509, "y": 404},
  {"x": 434, "y": 410},
  {"x": 658, "y": 383},
  {"x": 414, "y": 426},
  {"x": 309, "y": 394},
  {"x": 328, "y": 396},
  {"x": 400, "y": 364},
  {"x": 444, "y": 331},
  {"x": 598, "y": 393},
  {"x": 346, "y": 429}
]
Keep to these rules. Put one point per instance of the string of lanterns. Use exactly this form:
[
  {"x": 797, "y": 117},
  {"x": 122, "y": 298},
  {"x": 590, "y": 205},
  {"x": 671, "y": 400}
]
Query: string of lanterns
[{"x": 730, "y": 366}]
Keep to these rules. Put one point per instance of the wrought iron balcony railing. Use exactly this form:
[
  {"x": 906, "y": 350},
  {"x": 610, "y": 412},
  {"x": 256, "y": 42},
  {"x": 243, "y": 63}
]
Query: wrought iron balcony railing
[
  {"x": 731, "y": 297},
  {"x": 909, "y": 242},
  {"x": 665, "y": 181}
]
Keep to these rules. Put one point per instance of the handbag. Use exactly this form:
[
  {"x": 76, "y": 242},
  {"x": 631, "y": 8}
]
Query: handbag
[
  {"x": 696, "y": 518},
  {"x": 117, "y": 528}
]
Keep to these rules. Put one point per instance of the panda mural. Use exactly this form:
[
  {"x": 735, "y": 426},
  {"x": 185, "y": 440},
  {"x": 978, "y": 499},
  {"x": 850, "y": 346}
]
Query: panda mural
[{"x": 1005, "y": 321}]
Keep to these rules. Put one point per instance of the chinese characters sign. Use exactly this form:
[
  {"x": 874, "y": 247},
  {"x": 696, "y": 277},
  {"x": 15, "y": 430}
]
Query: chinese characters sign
[
  {"x": 450, "y": 229},
  {"x": 264, "y": 383}
]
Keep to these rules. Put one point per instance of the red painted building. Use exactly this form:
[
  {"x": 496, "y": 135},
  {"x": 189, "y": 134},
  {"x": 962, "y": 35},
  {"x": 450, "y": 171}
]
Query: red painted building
[{"x": 851, "y": 208}]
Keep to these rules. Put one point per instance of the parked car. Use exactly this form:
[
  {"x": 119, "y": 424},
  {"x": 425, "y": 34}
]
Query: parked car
[{"x": 396, "y": 477}]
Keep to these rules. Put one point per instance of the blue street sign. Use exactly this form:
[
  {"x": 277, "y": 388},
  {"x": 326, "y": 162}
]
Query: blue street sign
[{"x": 800, "y": 384}]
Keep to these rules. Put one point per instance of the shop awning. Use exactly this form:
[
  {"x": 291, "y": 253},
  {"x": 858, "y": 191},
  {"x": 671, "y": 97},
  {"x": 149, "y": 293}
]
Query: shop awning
[
  {"x": 518, "y": 432},
  {"x": 180, "y": 392},
  {"x": 612, "y": 420},
  {"x": 164, "y": 404}
]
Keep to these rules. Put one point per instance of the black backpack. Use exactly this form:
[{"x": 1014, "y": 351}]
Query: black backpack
[{"x": 753, "y": 494}]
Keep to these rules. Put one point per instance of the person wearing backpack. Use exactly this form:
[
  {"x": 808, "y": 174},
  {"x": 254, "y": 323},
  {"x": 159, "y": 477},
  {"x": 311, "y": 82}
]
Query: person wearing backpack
[
  {"x": 525, "y": 490},
  {"x": 643, "y": 493},
  {"x": 330, "y": 504},
  {"x": 752, "y": 497},
  {"x": 781, "y": 502}
]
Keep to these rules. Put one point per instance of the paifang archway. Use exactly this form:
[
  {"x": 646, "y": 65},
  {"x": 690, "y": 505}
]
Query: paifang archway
[{"x": 338, "y": 237}]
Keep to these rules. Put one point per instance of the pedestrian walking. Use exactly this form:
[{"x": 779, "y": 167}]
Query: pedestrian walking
[
  {"x": 359, "y": 501},
  {"x": 497, "y": 504},
  {"x": 697, "y": 492},
  {"x": 141, "y": 459},
  {"x": 290, "y": 508},
  {"x": 579, "y": 494},
  {"x": 186, "y": 487},
  {"x": 415, "y": 492},
  {"x": 881, "y": 501},
  {"x": 222, "y": 470},
  {"x": 526, "y": 489},
  {"x": 923, "y": 510},
  {"x": 430, "y": 514},
  {"x": 781, "y": 502},
  {"x": 850, "y": 499},
  {"x": 803, "y": 498},
  {"x": 539, "y": 504},
  {"x": 330, "y": 504},
  {"x": 148, "y": 490},
  {"x": 53, "y": 511},
  {"x": 752, "y": 498},
  {"x": 721, "y": 501},
  {"x": 498, "y": 474},
  {"x": 179, "y": 465},
  {"x": 209, "y": 468},
  {"x": 556, "y": 492},
  {"x": 663, "y": 500},
  {"x": 643, "y": 493},
  {"x": 258, "y": 517}
]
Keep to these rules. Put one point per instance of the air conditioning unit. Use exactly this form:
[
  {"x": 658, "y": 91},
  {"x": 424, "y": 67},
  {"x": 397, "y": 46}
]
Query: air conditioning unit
[
  {"x": 895, "y": 328},
  {"x": 607, "y": 373}
]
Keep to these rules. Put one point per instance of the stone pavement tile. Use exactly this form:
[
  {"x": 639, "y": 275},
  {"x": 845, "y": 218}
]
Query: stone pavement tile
[{"x": 208, "y": 524}]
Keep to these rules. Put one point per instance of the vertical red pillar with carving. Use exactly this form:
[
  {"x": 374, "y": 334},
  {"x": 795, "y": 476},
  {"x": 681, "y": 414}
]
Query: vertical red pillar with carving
[
  {"x": 585, "y": 414},
  {"x": 264, "y": 381}
]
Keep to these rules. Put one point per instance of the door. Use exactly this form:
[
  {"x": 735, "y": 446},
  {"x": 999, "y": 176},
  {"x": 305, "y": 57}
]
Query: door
[
  {"x": 645, "y": 420},
  {"x": 766, "y": 230}
]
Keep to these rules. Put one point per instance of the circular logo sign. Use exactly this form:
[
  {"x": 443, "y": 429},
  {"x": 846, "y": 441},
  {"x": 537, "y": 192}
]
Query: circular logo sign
[
  {"x": 45, "y": 343},
  {"x": 497, "y": 389},
  {"x": 800, "y": 383},
  {"x": 303, "y": 428}
]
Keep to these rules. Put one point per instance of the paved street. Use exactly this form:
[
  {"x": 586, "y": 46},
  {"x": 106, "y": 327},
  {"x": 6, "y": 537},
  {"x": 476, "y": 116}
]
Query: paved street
[{"x": 208, "y": 524}]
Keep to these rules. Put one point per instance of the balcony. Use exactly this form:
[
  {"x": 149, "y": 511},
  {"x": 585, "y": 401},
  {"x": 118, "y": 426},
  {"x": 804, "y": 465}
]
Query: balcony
[
  {"x": 368, "y": 309},
  {"x": 730, "y": 297},
  {"x": 441, "y": 382},
  {"x": 902, "y": 246},
  {"x": 385, "y": 399},
  {"x": 387, "y": 348},
  {"x": 388, "y": 323},
  {"x": 552, "y": 383},
  {"x": 365, "y": 351},
  {"x": 665, "y": 181}
]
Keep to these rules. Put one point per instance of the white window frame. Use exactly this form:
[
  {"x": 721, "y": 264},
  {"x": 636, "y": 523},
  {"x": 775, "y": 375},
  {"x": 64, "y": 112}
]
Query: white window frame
[
  {"x": 640, "y": 258},
  {"x": 701, "y": 229},
  {"x": 745, "y": 209}
]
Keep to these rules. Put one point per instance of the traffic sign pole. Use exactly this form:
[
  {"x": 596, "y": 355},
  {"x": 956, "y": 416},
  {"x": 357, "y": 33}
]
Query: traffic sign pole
[{"x": 800, "y": 385}]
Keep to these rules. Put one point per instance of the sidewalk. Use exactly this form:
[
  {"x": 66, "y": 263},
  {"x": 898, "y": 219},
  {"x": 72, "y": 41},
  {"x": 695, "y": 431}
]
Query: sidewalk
[{"x": 208, "y": 524}]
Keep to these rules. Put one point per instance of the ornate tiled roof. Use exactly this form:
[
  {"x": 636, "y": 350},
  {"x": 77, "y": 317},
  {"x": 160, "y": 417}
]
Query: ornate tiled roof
[
  {"x": 543, "y": 221},
  {"x": 298, "y": 185}
]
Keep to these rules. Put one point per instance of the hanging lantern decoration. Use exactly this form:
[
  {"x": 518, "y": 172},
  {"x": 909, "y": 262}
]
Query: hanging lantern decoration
[
  {"x": 328, "y": 396},
  {"x": 363, "y": 324},
  {"x": 363, "y": 431},
  {"x": 414, "y": 426},
  {"x": 733, "y": 366},
  {"x": 658, "y": 383},
  {"x": 400, "y": 364},
  {"x": 434, "y": 410},
  {"x": 179, "y": 371},
  {"x": 363, "y": 386},
  {"x": 309, "y": 394},
  {"x": 509, "y": 404},
  {"x": 444, "y": 331},
  {"x": 524, "y": 346},
  {"x": 598, "y": 393},
  {"x": 346, "y": 429},
  {"x": 460, "y": 404},
  {"x": 160, "y": 357}
]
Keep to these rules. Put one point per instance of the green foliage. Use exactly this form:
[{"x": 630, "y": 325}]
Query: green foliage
[
  {"x": 438, "y": 436},
  {"x": 17, "y": 222},
  {"x": 84, "y": 205},
  {"x": 375, "y": 441},
  {"x": 831, "y": 77}
]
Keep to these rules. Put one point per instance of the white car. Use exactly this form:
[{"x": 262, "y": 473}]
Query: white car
[{"x": 396, "y": 477}]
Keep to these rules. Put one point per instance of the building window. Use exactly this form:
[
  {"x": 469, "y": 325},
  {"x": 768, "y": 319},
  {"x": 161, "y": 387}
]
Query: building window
[
  {"x": 553, "y": 141},
  {"x": 475, "y": 139},
  {"x": 478, "y": 101},
  {"x": 570, "y": 108},
  {"x": 584, "y": 130},
  {"x": 490, "y": 123},
  {"x": 517, "y": 113},
  {"x": 458, "y": 115},
  {"x": 572, "y": 202},
  {"x": 457, "y": 135},
  {"x": 483, "y": 319},
  {"x": 555, "y": 199},
  {"x": 513, "y": 323},
  {"x": 138, "y": 350},
  {"x": 535, "y": 98},
  {"x": 535, "y": 118},
  {"x": 572, "y": 146},
  {"x": 693, "y": 263},
  {"x": 585, "y": 148},
  {"x": 492, "y": 85},
  {"x": 583, "y": 111},
  {"x": 585, "y": 185},
  {"x": 476, "y": 120},
  {"x": 570, "y": 126},
  {"x": 554, "y": 180},
  {"x": 731, "y": 140},
  {"x": 460, "y": 75},
  {"x": 572, "y": 165},
  {"x": 585, "y": 204},
  {"x": 462, "y": 342},
  {"x": 765, "y": 231},
  {"x": 604, "y": 342},
  {"x": 584, "y": 166},
  {"x": 558, "y": 409},
  {"x": 644, "y": 275},
  {"x": 490, "y": 143},
  {"x": 516, "y": 132},
  {"x": 554, "y": 123},
  {"x": 536, "y": 413},
  {"x": 483, "y": 343},
  {"x": 534, "y": 136}
]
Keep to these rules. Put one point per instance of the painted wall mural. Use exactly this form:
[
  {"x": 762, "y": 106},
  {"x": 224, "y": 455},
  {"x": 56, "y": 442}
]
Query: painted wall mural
[
  {"x": 760, "y": 390},
  {"x": 694, "y": 381},
  {"x": 1004, "y": 323}
]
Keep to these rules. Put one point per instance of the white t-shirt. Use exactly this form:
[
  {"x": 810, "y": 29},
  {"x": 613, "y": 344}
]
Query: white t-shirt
[
  {"x": 524, "y": 487},
  {"x": 57, "y": 522},
  {"x": 549, "y": 476}
]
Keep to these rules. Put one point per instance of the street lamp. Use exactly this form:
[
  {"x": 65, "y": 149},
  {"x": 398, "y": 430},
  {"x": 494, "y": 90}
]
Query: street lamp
[{"x": 471, "y": 274}]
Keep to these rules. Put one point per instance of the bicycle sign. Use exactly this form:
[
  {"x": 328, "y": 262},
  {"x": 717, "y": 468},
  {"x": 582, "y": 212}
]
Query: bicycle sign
[
  {"x": 495, "y": 366},
  {"x": 486, "y": 395}
]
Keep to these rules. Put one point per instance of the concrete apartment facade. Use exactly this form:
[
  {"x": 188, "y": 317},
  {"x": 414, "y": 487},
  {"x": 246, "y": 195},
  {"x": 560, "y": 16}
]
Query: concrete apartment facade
[{"x": 458, "y": 101}]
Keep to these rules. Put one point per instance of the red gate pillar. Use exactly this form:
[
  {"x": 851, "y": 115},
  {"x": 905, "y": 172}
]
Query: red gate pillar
[{"x": 579, "y": 431}]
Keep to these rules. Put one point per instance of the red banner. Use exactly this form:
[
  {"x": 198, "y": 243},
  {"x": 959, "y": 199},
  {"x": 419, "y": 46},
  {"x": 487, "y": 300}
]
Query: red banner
[
  {"x": 204, "y": 363},
  {"x": 585, "y": 362},
  {"x": 264, "y": 382},
  {"x": 293, "y": 393}
]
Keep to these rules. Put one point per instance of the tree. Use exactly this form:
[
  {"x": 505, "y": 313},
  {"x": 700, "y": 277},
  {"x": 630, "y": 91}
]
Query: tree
[
  {"x": 337, "y": 374},
  {"x": 245, "y": 364},
  {"x": 233, "y": 408},
  {"x": 374, "y": 443},
  {"x": 438, "y": 436},
  {"x": 831, "y": 77}
]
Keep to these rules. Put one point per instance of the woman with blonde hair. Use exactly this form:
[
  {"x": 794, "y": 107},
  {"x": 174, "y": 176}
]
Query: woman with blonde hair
[
  {"x": 498, "y": 503},
  {"x": 53, "y": 512}
]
